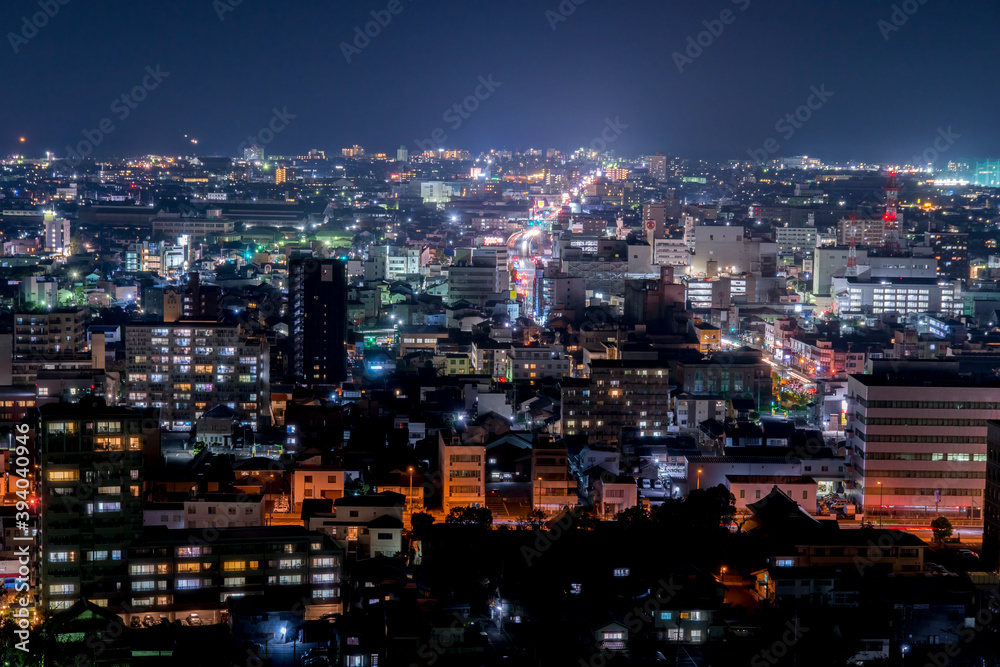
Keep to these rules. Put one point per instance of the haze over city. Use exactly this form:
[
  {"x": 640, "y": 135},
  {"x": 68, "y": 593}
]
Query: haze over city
[{"x": 564, "y": 67}]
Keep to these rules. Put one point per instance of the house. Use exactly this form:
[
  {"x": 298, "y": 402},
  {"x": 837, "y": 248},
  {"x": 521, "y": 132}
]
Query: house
[
  {"x": 365, "y": 526},
  {"x": 744, "y": 434},
  {"x": 777, "y": 432},
  {"x": 808, "y": 558},
  {"x": 749, "y": 489},
  {"x": 612, "y": 638},
  {"x": 311, "y": 480},
  {"x": 615, "y": 495},
  {"x": 508, "y": 458},
  {"x": 688, "y": 616},
  {"x": 216, "y": 426},
  {"x": 606, "y": 458},
  {"x": 692, "y": 409},
  {"x": 409, "y": 485}
]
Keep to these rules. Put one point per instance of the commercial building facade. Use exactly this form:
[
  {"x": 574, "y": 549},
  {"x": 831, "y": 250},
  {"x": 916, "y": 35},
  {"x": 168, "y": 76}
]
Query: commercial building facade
[{"x": 917, "y": 440}]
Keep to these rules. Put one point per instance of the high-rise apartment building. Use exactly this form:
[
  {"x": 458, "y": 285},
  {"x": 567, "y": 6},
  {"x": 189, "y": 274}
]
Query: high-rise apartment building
[
  {"x": 658, "y": 167},
  {"x": 951, "y": 250},
  {"x": 188, "y": 367},
  {"x": 91, "y": 459},
  {"x": 620, "y": 394},
  {"x": 317, "y": 299},
  {"x": 916, "y": 435},
  {"x": 201, "y": 302},
  {"x": 49, "y": 340},
  {"x": 57, "y": 233}
]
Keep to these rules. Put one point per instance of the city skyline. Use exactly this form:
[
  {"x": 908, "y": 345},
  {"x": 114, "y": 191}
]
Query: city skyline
[{"x": 714, "y": 82}]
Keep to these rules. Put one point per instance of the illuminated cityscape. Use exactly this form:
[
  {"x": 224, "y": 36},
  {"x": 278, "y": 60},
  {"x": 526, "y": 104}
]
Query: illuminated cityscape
[{"x": 461, "y": 349}]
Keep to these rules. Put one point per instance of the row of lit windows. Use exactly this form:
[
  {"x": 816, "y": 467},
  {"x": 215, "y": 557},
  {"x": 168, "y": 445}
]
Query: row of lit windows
[{"x": 922, "y": 456}]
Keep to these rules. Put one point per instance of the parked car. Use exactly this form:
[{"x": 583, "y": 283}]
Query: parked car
[
  {"x": 657, "y": 484},
  {"x": 252, "y": 646},
  {"x": 318, "y": 652},
  {"x": 646, "y": 484}
]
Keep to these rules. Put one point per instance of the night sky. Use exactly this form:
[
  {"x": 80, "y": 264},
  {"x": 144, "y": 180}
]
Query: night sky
[{"x": 557, "y": 88}]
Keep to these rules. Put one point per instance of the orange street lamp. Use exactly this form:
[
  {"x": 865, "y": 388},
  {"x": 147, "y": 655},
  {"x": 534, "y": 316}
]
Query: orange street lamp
[{"x": 409, "y": 494}]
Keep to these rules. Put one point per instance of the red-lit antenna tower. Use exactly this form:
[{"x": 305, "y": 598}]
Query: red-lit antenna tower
[
  {"x": 852, "y": 253},
  {"x": 890, "y": 235}
]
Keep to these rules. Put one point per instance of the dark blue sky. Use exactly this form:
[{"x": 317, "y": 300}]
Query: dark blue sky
[{"x": 609, "y": 59}]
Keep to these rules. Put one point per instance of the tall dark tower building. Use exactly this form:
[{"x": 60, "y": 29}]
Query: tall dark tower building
[{"x": 317, "y": 297}]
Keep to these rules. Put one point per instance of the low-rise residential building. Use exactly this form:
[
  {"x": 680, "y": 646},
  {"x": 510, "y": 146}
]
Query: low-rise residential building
[
  {"x": 614, "y": 494},
  {"x": 463, "y": 472},
  {"x": 364, "y": 526},
  {"x": 310, "y": 482},
  {"x": 209, "y": 510},
  {"x": 553, "y": 487}
]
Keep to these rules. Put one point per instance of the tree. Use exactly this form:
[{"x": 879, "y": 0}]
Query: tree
[
  {"x": 942, "y": 528},
  {"x": 633, "y": 514},
  {"x": 198, "y": 447},
  {"x": 711, "y": 508},
  {"x": 588, "y": 519},
  {"x": 535, "y": 519},
  {"x": 479, "y": 517},
  {"x": 356, "y": 487},
  {"x": 421, "y": 521},
  {"x": 703, "y": 510}
]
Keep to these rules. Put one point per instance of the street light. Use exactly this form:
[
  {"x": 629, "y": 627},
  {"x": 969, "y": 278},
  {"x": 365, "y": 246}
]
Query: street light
[
  {"x": 881, "y": 489},
  {"x": 409, "y": 495},
  {"x": 539, "y": 501},
  {"x": 699, "y": 479}
]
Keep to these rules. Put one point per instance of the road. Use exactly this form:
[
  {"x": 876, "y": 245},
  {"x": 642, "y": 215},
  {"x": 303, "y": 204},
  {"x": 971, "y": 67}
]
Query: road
[{"x": 971, "y": 537}]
